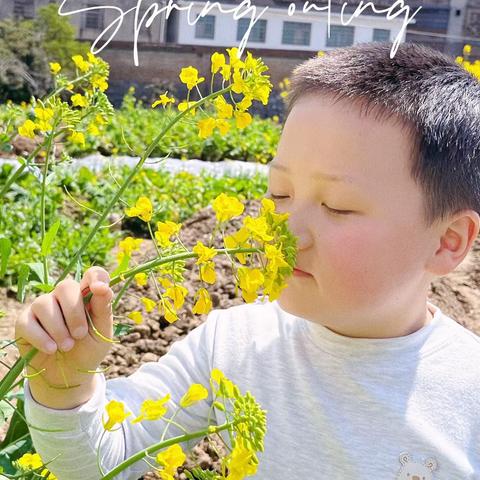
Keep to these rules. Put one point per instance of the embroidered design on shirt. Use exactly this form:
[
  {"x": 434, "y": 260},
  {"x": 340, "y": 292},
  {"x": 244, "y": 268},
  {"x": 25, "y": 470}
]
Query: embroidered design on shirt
[{"x": 411, "y": 470}]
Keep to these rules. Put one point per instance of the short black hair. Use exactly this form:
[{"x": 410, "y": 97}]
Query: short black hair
[{"x": 431, "y": 95}]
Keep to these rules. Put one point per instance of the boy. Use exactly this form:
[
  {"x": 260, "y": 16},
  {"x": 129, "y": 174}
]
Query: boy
[{"x": 361, "y": 376}]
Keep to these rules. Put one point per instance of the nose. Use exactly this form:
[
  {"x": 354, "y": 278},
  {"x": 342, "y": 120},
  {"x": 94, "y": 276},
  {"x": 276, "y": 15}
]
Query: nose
[
  {"x": 415, "y": 477},
  {"x": 299, "y": 227}
]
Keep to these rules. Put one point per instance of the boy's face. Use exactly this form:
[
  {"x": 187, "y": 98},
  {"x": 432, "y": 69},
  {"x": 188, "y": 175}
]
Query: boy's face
[{"x": 367, "y": 266}]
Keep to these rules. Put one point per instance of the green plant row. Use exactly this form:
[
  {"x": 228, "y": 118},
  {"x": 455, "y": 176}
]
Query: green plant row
[{"x": 77, "y": 194}]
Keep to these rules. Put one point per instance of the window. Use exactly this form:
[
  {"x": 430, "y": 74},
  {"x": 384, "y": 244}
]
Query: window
[
  {"x": 340, "y": 36},
  {"x": 381, "y": 35},
  {"x": 257, "y": 33},
  {"x": 23, "y": 9},
  {"x": 205, "y": 27},
  {"x": 94, "y": 18},
  {"x": 296, "y": 33}
]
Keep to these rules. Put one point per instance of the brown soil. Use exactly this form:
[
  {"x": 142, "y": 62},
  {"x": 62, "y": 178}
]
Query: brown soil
[{"x": 455, "y": 294}]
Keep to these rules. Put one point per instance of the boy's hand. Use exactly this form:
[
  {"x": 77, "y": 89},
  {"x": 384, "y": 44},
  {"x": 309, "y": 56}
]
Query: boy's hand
[{"x": 58, "y": 320}]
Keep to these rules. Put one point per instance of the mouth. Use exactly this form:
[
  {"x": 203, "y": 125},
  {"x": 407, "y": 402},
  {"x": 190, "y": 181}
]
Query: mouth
[{"x": 301, "y": 273}]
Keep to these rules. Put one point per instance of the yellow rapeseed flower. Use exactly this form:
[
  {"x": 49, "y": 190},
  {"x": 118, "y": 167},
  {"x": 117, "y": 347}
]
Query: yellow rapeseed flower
[
  {"x": 250, "y": 281},
  {"x": 207, "y": 272},
  {"x": 224, "y": 109},
  {"x": 141, "y": 279},
  {"x": 80, "y": 63},
  {"x": 226, "y": 71},
  {"x": 130, "y": 244},
  {"x": 92, "y": 58},
  {"x": 166, "y": 309},
  {"x": 239, "y": 84},
  {"x": 55, "y": 67},
  {"x": 165, "y": 230},
  {"x": 243, "y": 119},
  {"x": 240, "y": 461},
  {"x": 245, "y": 103},
  {"x": 116, "y": 414},
  {"x": 164, "y": 99},
  {"x": 258, "y": 227},
  {"x": 27, "y": 129},
  {"x": 152, "y": 409},
  {"x": 43, "y": 114},
  {"x": 77, "y": 138},
  {"x": 79, "y": 100},
  {"x": 218, "y": 60},
  {"x": 182, "y": 106},
  {"x": 136, "y": 316},
  {"x": 467, "y": 49},
  {"x": 205, "y": 127},
  {"x": 99, "y": 119},
  {"x": 238, "y": 240},
  {"x": 235, "y": 61},
  {"x": 222, "y": 125},
  {"x": 148, "y": 303},
  {"x": 226, "y": 207},
  {"x": 189, "y": 76},
  {"x": 143, "y": 209},
  {"x": 92, "y": 129},
  {"x": 275, "y": 258},
  {"x": 99, "y": 81},
  {"x": 204, "y": 302},
  {"x": 172, "y": 458},
  {"x": 195, "y": 393},
  {"x": 177, "y": 293},
  {"x": 204, "y": 253}
]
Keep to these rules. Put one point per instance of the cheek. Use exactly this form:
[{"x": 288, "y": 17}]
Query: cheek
[{"x": 360, "y": 262}]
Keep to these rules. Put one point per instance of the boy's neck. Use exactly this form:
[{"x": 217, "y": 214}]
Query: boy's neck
[{"x": 400, "y": 329}]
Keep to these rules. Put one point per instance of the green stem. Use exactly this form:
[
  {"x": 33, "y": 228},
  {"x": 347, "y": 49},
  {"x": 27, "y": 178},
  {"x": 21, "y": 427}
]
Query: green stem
[
  {"x": 14, "y": 372},
  {"x": 172, "y": 441},
  {"x": 42, "y": 200}
]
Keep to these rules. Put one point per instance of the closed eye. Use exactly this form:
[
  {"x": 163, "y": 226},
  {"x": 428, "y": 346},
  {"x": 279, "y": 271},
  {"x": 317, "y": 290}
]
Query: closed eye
[{"x": 331, "y": 210}]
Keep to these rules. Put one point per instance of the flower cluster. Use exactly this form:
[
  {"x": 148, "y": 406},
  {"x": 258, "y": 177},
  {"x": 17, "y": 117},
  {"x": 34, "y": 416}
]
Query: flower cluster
[
  {"x": 32, "y": 462},
  {"x": 245, "y": 78},
  {"x": 247, "y": 423},
  {"x": 88, "y": 108},
  {"x": 472, "y": 67},
  {"x": 266, "y": 237}
]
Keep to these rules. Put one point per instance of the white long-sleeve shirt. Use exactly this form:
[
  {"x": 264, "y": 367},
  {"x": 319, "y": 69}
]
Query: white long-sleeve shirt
[{"x": 337, "y": 407}]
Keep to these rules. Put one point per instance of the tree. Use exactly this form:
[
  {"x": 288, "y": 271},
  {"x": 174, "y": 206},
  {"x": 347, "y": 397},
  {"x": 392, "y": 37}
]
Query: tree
[{"x": 27, "y": 47}]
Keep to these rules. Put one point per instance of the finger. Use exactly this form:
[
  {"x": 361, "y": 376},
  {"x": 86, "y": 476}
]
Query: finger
[
  {"x": 30, "y": 331},
  {"x": 70, "y": 299},
  {"x": 50, "y": 317},
  {"x": 96, "y": 280}
]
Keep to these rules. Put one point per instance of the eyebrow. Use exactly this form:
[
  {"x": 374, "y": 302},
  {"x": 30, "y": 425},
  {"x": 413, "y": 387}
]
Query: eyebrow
[{"x": 317, "y": 175}]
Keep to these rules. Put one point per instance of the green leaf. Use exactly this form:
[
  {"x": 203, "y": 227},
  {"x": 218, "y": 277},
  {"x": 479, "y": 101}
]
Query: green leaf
[
  {"x": 6, "y": 412},
  {"x": 37, "y": 269},
  {"x": 22, "y": 282},
  {"x": 121, "y": 329},
  {"x": 122, "y": 267},
  {"x": 5, "y": 250},
  {"x": 48, "y": 239},
  {"x": 43, "y": 287}
]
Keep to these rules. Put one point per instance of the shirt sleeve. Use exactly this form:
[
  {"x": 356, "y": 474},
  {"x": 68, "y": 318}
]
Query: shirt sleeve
[{"x": 74, "y": 448}]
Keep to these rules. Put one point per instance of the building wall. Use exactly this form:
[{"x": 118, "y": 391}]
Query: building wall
[{"x": 226, "y": 28}]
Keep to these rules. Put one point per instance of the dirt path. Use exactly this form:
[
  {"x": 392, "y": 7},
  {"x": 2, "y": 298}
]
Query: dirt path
[{"x": 456, "y": 294}]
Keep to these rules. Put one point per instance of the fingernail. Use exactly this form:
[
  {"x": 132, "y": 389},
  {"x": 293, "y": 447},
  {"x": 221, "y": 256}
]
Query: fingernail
[
  {"x": 67, "y": 344},
  {"x": 79, "y": 332},
  {"x": 50, "y": 346}
]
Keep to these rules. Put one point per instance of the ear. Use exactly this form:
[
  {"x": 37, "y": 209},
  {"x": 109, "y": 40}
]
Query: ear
[{"x": 456, "y": 239}]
